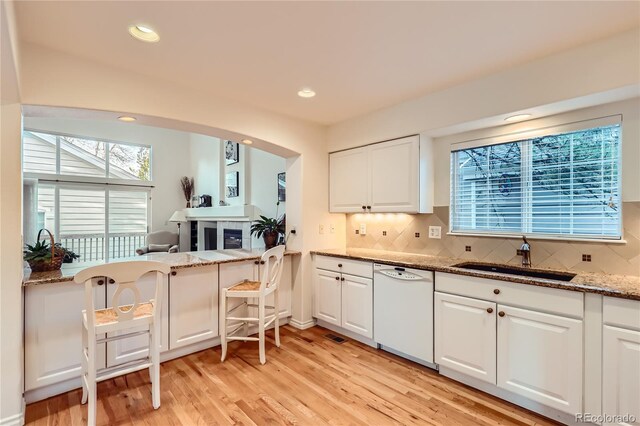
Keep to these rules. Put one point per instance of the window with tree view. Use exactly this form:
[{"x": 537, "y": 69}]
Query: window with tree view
[
  {"x": 93, "y": 195},
  {"x": 565, "y": 184}
]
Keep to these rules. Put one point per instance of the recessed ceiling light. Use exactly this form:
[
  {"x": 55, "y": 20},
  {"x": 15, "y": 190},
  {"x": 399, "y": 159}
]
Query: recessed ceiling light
[
  {"x": 144, "y": 33},
  {"x": 306, "y": 93},
  {"x": 517, "y": 117},
  {"x": 247, "y": 141},
  {"x": 126, "y": 118}
]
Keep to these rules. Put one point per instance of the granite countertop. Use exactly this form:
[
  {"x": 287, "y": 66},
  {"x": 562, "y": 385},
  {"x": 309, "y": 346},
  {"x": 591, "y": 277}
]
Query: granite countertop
[
  {"x": 623, "y": 286},
  {"x": 175, "y": 260}
]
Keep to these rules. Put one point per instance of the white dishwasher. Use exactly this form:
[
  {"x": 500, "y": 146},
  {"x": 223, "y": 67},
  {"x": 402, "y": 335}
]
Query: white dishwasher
[{"x": 403, "y": 312}]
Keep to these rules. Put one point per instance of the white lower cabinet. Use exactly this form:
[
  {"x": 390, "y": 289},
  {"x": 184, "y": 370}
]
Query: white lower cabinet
[
  {"x": 132, "y": 348},
  {"x": 465, "y": 335},
  {"x": 328, "y": 297},
  {"x": 53, "y": 332},
  {"x": 344, "y": 300},
  {"x": 357, "y": 304},
  {"x": 539, "y": 356},
  {"x": 193, "y": 307}
]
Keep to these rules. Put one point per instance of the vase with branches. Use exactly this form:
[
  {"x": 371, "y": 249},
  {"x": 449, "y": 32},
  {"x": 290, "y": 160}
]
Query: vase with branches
[{"x": 187, "y": 185}]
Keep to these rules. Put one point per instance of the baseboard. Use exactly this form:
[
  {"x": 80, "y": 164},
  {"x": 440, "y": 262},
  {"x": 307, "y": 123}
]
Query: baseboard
[
  {"x": 349, "y": 334},
  {"x": 302, "y": 325},
  {"x": 16, "y": 419},
  {"x": 519, "y": 400}
]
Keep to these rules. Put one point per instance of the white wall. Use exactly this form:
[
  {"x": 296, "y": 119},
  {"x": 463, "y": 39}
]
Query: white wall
[
  {"x": 598, "y": 67},
  {"x": 170, "y": 156},
  {"x": 630, "y": 111},
  {"x": 206, "y": 166},
  {"x": 263, "y": 183}
]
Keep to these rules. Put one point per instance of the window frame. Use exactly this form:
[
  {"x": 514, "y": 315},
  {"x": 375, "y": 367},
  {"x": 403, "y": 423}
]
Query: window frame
[{"x": 520, "y": 136}]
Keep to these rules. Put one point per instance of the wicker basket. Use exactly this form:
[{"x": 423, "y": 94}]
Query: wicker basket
[{"x": 52, "y": 264}]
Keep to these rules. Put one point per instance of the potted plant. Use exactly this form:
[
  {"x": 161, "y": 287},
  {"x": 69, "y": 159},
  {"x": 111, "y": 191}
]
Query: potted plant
[{"x": 269, "y": 229}]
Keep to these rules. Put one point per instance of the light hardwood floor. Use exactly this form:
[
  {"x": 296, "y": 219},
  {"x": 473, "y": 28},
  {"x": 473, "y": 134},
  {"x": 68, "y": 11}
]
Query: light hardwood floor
[{"x": 310, "y": 380}]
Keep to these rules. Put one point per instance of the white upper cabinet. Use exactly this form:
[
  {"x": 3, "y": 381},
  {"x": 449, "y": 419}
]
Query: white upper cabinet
[
  {"x": 393, "y": 176},
  {"x": 349, "y": 180},
  {"x": 387, "y": 177}
]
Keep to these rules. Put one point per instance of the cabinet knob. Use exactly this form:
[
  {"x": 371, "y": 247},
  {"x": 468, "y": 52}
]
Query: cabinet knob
[
  {"x": 501, "y": 313},
  {"x": 364, "y": 207},
  {"x": 337, "y": 278},
  {"x": 339, "y": 265},
  {"x": 262, "y": 262},
  {"x": 173, "y": 273},
  {"x": 342, "y": 279},
  {"x": 368, "y": 207},
  {"x": 496, "y": 291},
  {"x": 256, "y": 262},
  {"x": 490, "y": 310},
  {"x": 100, "y": 282}
]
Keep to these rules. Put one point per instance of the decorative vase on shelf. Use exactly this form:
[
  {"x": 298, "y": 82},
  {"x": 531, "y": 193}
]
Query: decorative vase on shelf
[{"x": 188, "y": 204}]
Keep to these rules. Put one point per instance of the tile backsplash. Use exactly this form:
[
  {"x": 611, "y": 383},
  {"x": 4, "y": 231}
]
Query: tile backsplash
[{"x": 410, "y": 233}]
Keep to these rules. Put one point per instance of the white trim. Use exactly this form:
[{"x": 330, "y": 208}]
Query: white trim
[
  {"x": 538, "y": 132},
  {"x": 88, "y": 180},
  {"x": 300, "y": 325},
  {"x": 538, "y": 237},
  {"x": 16, "y": 419}
]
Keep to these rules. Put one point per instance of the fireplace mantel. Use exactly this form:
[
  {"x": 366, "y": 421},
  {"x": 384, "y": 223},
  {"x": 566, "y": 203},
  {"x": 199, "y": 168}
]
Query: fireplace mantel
[{"x": 226, "y": 213}]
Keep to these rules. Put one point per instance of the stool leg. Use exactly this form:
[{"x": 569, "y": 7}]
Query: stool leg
[
  {"x": 261, "y": 304},
  {"x": 91, "y": 376},
  {"x": 85, "y": 367},
  {"x": 155, "y": 351},
  {"x": 223, "y": 334},
  {"x": 276, "y": 305}
]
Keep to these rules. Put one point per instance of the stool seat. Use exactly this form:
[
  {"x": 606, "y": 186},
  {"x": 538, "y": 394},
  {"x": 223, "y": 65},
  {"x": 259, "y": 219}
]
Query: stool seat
[
  {"x": 246, "y": 285},
  {"x": 109, "y": 315}
]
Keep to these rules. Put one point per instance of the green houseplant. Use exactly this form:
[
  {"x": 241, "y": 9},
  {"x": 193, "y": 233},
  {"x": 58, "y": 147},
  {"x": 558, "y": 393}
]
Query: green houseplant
[
  {"x": 45, "y": 256},
  {"x": 269, "y": 228}
]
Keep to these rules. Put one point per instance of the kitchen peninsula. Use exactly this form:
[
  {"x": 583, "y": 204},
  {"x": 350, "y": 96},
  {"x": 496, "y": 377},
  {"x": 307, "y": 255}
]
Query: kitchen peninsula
[{"x": 190, "y": 314}]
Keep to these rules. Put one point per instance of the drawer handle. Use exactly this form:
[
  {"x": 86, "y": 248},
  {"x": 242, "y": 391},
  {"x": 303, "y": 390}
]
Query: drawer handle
[
  {"x": 100, "y": 282},
  {"x": 501, "y": 313},
  {"x": 339, "y": 265},
  {"x": 173, "y": 273},
  {"x": 496, "y": 291},
  {"x": 490, "y": 310},
  {"x": 337, "y": 278}
]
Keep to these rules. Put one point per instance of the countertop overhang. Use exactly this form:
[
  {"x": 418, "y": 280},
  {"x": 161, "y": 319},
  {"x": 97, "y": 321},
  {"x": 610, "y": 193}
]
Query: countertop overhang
[
  {"x": 175, "y": 260},
  {"x": 622, "y": 286}
]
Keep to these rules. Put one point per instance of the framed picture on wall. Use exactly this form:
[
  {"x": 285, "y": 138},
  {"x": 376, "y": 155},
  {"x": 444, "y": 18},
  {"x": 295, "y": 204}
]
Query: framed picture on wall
[
  {"x": 231, "y": 152},
  {"x": 282, "y": 186},
  {"x": 231, "y": 184}
]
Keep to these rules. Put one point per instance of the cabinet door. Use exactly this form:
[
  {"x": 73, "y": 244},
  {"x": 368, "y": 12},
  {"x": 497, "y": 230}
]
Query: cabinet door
[
  {"x": 394, "y": 170},
  {"x": 53, "y": 332},
  {"x": 132, "y": 348},
  {"x": 328, "y": 296},
  {"x": 193, "y": 305},
  {"x": 357, "y": 304},
  {"x": 465, "y": 335},
  {"x": 540, "y": 357},
  {"x": 621, "y": 372},
  {"x": 348, "y": 181}
]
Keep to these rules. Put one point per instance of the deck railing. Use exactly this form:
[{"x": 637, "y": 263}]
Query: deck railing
[{"x": 91, "y": 247}]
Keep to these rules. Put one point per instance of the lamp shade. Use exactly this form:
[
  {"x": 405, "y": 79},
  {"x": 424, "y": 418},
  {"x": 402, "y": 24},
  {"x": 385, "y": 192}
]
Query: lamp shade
[{"x": 178, "y": 216}]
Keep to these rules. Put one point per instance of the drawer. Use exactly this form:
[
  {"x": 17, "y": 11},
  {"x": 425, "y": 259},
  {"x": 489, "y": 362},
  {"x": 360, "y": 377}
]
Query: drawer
[
  {"x": 544, "y": 299},
  {"x": 346, "y": 266},
  {"x": 623, "y": 313}
]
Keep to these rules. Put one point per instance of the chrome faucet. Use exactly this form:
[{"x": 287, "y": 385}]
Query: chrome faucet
[{"x": 525, "y": 252}]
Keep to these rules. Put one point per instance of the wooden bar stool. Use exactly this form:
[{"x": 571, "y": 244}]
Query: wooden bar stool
[
  {"x": 120, "y": 318},
  {"x": 271, "y": 271}
]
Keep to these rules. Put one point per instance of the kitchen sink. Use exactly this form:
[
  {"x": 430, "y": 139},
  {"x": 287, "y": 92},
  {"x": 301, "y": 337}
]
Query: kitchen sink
[{"x": 514, "y": 270}]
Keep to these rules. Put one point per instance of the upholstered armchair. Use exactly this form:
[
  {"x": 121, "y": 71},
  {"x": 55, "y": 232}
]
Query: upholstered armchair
[{"x": 160, "y": 241}]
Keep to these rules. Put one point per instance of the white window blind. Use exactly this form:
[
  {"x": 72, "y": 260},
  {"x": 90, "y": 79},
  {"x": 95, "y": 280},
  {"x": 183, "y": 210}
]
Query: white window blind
[{"x": 559, "y": 182}]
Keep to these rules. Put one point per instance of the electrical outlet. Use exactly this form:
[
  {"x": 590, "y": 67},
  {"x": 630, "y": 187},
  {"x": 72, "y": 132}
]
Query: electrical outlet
[
  {"x": 332, "y": 228},
  {"x": 321, "y": 229},
  {"x": 435, "y": 232},
  {"x": 363, "y": 229}
]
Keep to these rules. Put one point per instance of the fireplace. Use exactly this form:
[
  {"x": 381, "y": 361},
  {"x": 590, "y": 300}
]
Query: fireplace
[{"x": 232, "y": 238}]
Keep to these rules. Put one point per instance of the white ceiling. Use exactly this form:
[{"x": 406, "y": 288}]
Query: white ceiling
[{"x": 358, "y": 56}]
